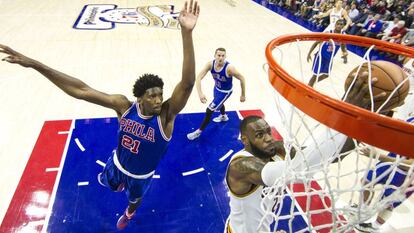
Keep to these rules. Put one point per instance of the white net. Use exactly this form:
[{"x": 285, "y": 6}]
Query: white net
[{"x": 333, "y": 182}]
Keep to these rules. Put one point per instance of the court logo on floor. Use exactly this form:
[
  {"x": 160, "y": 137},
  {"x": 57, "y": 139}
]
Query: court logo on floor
[{"x": 106, "y": 16}]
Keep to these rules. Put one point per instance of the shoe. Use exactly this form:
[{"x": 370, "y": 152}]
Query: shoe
[
  {"x": 221, "y": 118},
  {"x": 194, "y": 135},
  {"x": 124, "y": 220},
  {"x": 367, "y": 228}
]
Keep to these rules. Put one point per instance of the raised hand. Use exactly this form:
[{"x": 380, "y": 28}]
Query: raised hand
[
  {"x": 188, "y": 15},
  {"x": 366, "y": 150},
  {"x": 15, "y": 57}
]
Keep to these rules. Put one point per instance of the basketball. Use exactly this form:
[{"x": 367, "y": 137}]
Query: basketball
[{"x": 389, "y": 76}]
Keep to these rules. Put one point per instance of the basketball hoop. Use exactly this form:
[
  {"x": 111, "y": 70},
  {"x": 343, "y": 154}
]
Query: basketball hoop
[
  {"x": 316, "y": 125},
  {"x": 374, "y": 129}
]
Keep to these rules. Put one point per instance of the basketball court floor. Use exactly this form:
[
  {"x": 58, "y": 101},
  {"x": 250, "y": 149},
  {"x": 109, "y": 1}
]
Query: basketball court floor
[{"x": 52, "y": 146}]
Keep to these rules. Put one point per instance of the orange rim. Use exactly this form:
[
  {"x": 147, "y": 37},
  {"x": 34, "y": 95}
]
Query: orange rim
[{"x": 372, "y": 128}]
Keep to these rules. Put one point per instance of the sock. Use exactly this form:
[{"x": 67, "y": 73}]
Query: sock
[{"x": 128, "y": 214}]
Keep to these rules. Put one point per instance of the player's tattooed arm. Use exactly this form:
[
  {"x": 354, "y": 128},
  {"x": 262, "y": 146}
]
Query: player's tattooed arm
[{"x": 247, "y": 170}]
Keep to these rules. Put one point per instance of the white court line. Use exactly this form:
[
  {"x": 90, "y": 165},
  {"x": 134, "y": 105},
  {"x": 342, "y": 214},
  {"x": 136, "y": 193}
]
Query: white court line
[
  {"x": 193, "y": 171},
  {"x": 83, "y": 183},
  {"x": 51, "y": 169},
  {"x": 239, "y": 114},
  {"x": 224, "y": 157},
  {"x": 53, "y": 195},
  {"x": 63, "y": 132},
  {"x": 156, "y": 176},
  {"x": 79, "y": 144},
  {"x": 100, "y": 163},
  {"x": 36, "y": 223}
]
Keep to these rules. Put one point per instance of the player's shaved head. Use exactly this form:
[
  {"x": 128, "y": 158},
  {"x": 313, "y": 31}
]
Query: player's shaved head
[{"x": 246, "y": 121}]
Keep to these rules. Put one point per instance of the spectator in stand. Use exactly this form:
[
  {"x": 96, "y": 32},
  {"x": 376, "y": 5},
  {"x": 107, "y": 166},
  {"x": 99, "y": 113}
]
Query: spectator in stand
[
  {"x": 378, "y": 7},
  {"x": 315, "y": 8},
  {"x": 372, "y": 28},
  {"x": 389, "y": 25},
  {"x": 408, "y": 39},
  {"x": 409, "y": 17},
  {"x": 398, "y": 12},
  {"x": 364, "y": 16},
  {"x": 382, "y": 7},
  {"x": 323, "y": 7},
  {"x": 390, "y": 4},
  {"x": 306, "y": 8},
  {"x": 353, "y": 11},
  {"x": 397, "y": 33}
]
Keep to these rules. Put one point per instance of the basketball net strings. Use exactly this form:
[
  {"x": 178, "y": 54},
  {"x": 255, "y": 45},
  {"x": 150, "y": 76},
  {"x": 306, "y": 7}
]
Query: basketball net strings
[
  {"x": 289, "y": 115},
  {"x": 291, "y": 140}
]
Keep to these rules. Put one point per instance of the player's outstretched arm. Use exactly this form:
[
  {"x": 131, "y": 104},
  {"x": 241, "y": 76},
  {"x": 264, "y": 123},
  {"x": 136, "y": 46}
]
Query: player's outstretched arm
[
  {"x": 70, "y": 85},
  {"x": 234, "y": 72},
  {"x": 187, "y": 19},
  {"x": 200, "y": 77},
  {"x": 323, "y": 15},
  {"x": 251, "y": 170}
]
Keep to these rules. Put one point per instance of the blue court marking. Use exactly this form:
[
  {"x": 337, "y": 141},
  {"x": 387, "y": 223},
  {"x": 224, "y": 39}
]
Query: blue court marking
[{"x": 173, "y": 203}]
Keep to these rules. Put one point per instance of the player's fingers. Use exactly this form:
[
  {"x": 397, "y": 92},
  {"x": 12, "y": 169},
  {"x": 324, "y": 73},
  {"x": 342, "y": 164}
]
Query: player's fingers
[
  {"x": 197, "y": 9},
  {"x": 380, "y": 96},
  {"x": 184, "y": 9},
  {"x": 190, "y": 8},
  {"x": 10, "y": 59},
  {"x": 4, "y": 49}
]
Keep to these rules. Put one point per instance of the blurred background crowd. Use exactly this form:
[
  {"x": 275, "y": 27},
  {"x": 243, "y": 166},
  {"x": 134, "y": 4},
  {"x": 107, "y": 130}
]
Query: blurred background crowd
[{"x": 390, "y": 20}]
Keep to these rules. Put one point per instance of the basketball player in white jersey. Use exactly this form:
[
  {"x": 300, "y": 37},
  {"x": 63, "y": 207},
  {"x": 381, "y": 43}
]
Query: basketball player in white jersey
[
  {"x": 261, "y": 163},
  {"x": 244, "y": 178},
  {"x": 336, "y": 13}
]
